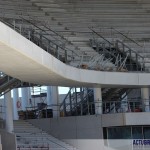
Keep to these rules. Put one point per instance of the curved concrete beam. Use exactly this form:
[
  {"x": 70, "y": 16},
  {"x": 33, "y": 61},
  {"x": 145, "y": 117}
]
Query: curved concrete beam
[{"x": 22, "y": 59}]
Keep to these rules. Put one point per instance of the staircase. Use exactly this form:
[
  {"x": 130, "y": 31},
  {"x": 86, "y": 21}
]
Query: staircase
[
  {"x": 82, "y": 103},
  {"x": 30, "y": 137},
  {"x": 7, "y": 83},
  {"x": 117, "y": 50}
]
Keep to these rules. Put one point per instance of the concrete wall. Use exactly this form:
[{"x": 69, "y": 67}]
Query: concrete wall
[
  {"x": 124, "y": 119},
  {"x": 81, "y": 127},
  {"x": 85, "y": 132},
  {"x": 82, "y": 132},
  {"x": 8, "y": 140},
  {"x": 89, "y": 127}
]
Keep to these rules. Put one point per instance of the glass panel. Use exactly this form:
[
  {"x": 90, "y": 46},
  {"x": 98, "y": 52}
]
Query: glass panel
[
  {"x": 119, "y": 133},
  {"x": 146, "y": 131},
  {"x": 137, "y": 133}
]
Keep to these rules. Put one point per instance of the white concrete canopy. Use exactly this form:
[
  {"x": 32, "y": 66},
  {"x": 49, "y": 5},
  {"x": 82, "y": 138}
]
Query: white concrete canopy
[{"x": 22, "y": 59}]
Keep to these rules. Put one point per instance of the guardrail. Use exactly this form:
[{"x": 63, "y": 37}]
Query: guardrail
[
  {"x": 43, "y": 39},
  {"x": 107, "y": 47},
  {"x": 90, "y": 108}
]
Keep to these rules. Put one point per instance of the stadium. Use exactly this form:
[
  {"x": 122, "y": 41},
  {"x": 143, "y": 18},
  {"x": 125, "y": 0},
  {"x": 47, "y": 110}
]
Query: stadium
[{"x": 95, "y": 49}]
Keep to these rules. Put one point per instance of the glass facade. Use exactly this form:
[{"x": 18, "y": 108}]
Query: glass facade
[
  {"x": 146, "y": 132},
  {"x": 119, "y": 133},
  {"x": 127, "y": 132},
  {"x": 137, "y": 133}
]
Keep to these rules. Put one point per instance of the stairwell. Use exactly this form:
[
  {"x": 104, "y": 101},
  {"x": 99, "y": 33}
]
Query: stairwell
[
  {"x": 82, "y": 103},
  {"x": 30, "y": 137}
]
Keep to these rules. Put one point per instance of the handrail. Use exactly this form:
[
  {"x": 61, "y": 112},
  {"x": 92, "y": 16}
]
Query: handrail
[
  {"x": 141, "y": 64},
  {"x": 48, "y": 34},
  {"x": 66, "y": 97},
  {"x": 100, "y": 36},
  {"x": 50, "y": 41},
  {"x": 84, "y": 98},
  {"x": 126, "y": 36},
  {"x": 129, "y": 48},
  {"x": 43, "y": 138},
  {"x": 52, "y": 31}
]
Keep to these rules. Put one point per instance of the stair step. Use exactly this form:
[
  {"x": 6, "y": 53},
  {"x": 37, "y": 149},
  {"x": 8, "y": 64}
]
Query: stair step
[{"x": 30, "y": 137}]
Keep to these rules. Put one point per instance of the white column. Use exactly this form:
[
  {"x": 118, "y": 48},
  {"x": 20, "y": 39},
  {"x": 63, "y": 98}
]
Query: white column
[
  {"x": 15, "y": 99},
  {"x": 24, "y": 99},
  {"x": 49, "y": 95},
  {"x": 9, "y": 112},
  {"x": 55, "y": 101},
  {"x": 145, "y": 98},
  {"x": 98, "y": 101},
  {"x": 29, "y": 93}
]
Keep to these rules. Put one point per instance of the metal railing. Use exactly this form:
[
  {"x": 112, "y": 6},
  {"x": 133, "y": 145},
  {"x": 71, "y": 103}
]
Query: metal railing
[
  {"x": 130, "y": 59},
  {"x": 55, "y": 44},
  {"x": 93, "y": 108},
  {"x": 139, "y": 66},
  {"x": 90, "y": 108},
  {"x": 44, "y": 40},
  {"x": 33, "y": 147},
  {"x": 74, "y": 98},
  {"x": 7, "y": 83},
  {"x": 39, "y": 141},
  {"x": 2, "y": 112}
]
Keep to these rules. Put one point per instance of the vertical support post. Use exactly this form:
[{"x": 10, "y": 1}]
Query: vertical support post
[
  {"x": 81, "y": 97},
  {"x": 24, "y": 99},
  {"x": 9, "y": 112},
  {"x": 20, "y": 28},
  {"x": 15, "y": 99},
  {"x": 66, "y": 59},
  {"x": 57, "y": 52},
  {"x": 88, "y": 101},
  {"x": 64, "y": 105},
  {"x": 14, "y": 22},
  {"x": 143, "y": 64},
  {"x": 29, "y": 96},
  {"x": 49, "y": 96},
  {"x": 98, "y": 100},
  {"x": 55, "y": 102},
  {"x": 29, "y": 35},
  {"x": 40, "y": 44},
  {"x": 70, "y": 101},
  {"x": 145, "y": 98},
  {"x": 76, "y": 100}
]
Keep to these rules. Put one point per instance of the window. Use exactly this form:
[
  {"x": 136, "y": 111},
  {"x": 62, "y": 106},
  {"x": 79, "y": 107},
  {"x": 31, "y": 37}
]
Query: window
[
  {"x": 137, "y": 133},
  {"x": 146, "y": 131},
  {"x": 119, "y": 133}
]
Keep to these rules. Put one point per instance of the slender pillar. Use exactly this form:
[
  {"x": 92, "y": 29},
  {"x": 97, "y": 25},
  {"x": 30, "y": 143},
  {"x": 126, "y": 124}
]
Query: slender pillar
[
  {"x": 24, "y": 99},
  {"x": 29, "y": 94},
  {"x": 55, "y": 101},
  {"x": 9, "y": 112},
  {"x": 15, "y": 99},
  {"x": 98, "y": 101},
  {"x": 145, "y": 98},
  {"x": 49, "y": 95}
]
